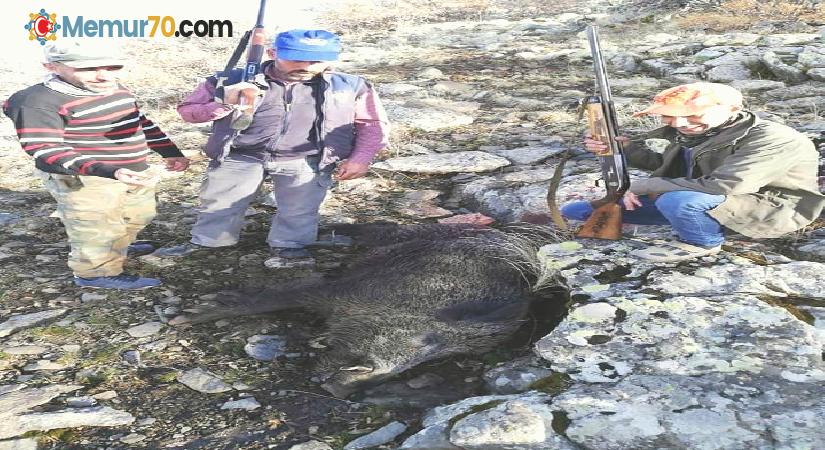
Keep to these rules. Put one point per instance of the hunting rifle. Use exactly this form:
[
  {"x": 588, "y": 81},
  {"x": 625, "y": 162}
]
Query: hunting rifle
[
  {"x": 606, "y": 220},
  {"x": 231, "y": 75}
]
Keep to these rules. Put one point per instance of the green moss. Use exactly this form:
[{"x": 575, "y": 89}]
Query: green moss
[
  {"x": 106, "y": 354},
  {"x": 338, "y": 441},
  {"x": 52, "y": 331},
  {"x": 243, "y": 375},
  {"x": 54, "y": 438},
  {"x": 231, "y": 348},
  {"x": 560, "y": 422},
  {"x": 553, "y": 384},
  {"x": 68, "y": 359},
  {"x": 4, "y": 355},
  {"x": 97, "y": 378},
  {"x": 497, "y": 356},
  {"x": 792, "y": 309},
  {"x": 100, "y": 319},
  {"x": 168, "y": 377},
  {"x": 376, "y": 414}
]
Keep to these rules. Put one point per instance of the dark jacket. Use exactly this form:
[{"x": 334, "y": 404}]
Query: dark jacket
[
  {"x": 334, "y": 129},
  {"x": 767, "y": 171}
]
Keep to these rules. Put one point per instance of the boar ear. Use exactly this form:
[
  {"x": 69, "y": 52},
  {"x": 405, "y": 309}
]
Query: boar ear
[{"x": 483, "y": 311}]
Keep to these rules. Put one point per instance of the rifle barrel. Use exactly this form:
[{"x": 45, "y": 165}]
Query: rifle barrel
[
  {"x": 615, "y": 171},
  {"x": 259, "y": 23},
  {"x": 598, "y": 64}
]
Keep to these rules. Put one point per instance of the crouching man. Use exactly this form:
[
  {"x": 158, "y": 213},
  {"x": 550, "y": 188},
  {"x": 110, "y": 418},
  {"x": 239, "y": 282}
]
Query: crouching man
[{"x": 724, "y": 168}]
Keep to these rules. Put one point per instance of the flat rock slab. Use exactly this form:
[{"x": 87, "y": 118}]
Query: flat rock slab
[
  {"x": 385, "y": 434},
  {"x": 444, "y": 163},
  {"x": 645, "y": 412},
  {"x": 427, "y": 119},
  {"x": 523, "y": 421},
  {"x": 605, "y": 341},
  {"x": 22, "y": 321},
  {"x": 16, "y": 421},
  {"x": 25, "y": 350},
  {"x": 719, "y": 411},
  {"x": 515, "y": 376},
  {"x": 815, "y": 248},
  {"x": 203, "y": 381},
  {"x": 311, "y": 445},
  {"x": 101, "y": 416},
  {"x": 265, "y": 347},
  {"x": 247, "y": 404},
  {"x": 528, "y": 155},
  {"x": 133, "y": 438},
  {"x": 798, "y": 279},
  {"x": 45, "y": 365},
  {"x": 8, "y": 218},
  {"x": 19, "y": 444},
  {"x": 144, "y": 330},
  {"x": 276, "y": 262},
  {"x": 18, "y": 399}
]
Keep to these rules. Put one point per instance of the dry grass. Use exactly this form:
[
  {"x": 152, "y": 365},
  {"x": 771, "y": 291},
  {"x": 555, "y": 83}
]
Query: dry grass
[
  {"x": 354, "y": 16},
  {"x": 361, "y": 15},
  {"x": 740, "y": 15}
]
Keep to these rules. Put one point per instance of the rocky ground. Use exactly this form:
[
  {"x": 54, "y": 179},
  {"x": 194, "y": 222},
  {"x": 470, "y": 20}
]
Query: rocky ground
[{"x": 725, "y": 352}]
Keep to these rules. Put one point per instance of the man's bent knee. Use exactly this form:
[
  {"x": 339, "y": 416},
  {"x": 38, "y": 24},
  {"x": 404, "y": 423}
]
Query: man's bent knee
[
  {"x": 577, "y": 210},
  {"x": 687, "y": 200}
]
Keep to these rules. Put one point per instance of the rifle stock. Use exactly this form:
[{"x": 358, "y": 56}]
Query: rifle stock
[
  {"x": 606, "y": 220},
  {"x": 604, "y": 223}
]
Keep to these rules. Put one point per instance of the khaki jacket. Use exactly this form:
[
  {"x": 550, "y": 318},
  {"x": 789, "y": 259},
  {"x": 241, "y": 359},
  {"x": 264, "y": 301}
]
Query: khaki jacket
[{"x": 767, "y": 171}]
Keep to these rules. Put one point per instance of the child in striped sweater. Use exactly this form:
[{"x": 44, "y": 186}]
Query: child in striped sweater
[{"x": 90, "y": 143}]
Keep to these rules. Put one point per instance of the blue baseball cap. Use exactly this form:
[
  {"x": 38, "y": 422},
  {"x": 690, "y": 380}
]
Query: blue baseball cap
[{"x": 307, "y": 45}]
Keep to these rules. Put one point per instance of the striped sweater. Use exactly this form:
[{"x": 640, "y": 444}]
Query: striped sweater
[{"x": 85, "y": 135}]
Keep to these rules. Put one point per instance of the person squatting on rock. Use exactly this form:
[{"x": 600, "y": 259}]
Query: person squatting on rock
[
  {"x": 724, "y": 168},
  {"x": 90, "y": 142},
  {"x": 308, "y": 119}
]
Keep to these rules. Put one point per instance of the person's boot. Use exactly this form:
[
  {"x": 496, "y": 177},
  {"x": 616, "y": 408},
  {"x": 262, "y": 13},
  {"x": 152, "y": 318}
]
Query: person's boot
[
  {"x": 177, "y": 250},
  {"x": 290, "y": 253},
  {"x": 140, "y": 248},
  {"x": 122, "y": 281}
]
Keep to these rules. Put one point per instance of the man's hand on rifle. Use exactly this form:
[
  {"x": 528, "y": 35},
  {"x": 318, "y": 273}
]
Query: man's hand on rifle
[
  {"x": 631, "y": 201},
  {"x": 232, "y": 94},
  {"x": 598, "y": 147}
]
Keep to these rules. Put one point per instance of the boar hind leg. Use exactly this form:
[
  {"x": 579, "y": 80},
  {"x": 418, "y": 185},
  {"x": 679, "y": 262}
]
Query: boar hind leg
[{"x": 234, "y": 304}]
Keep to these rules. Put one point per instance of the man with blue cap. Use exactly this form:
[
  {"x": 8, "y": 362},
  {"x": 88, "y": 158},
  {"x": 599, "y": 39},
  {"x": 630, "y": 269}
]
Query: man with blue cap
[{"x": 309, "y": 123}]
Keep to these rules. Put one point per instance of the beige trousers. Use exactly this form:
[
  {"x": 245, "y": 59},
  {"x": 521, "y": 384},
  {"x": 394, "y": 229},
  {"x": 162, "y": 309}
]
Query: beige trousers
[{"x": 102, "y": 217}]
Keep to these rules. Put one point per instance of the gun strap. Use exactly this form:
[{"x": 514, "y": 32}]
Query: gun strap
[
  {"x": 552, "y": 204},
  {"x": 236, "y": 55},
  {"x": 233, "y": 61}
]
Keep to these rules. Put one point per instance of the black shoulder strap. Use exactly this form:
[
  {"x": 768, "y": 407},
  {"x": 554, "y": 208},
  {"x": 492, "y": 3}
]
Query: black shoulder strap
[
  {"x": 236, "y": 55},
  {"x": 221, "y": 77}
]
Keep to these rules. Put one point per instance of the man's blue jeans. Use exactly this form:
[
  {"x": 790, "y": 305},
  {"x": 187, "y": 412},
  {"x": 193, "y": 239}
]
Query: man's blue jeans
[{"x": 685, "y": 211}]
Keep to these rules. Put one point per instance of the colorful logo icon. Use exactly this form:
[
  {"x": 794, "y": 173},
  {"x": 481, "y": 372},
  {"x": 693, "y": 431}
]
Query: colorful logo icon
[{"x": 42, "y": 26}]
